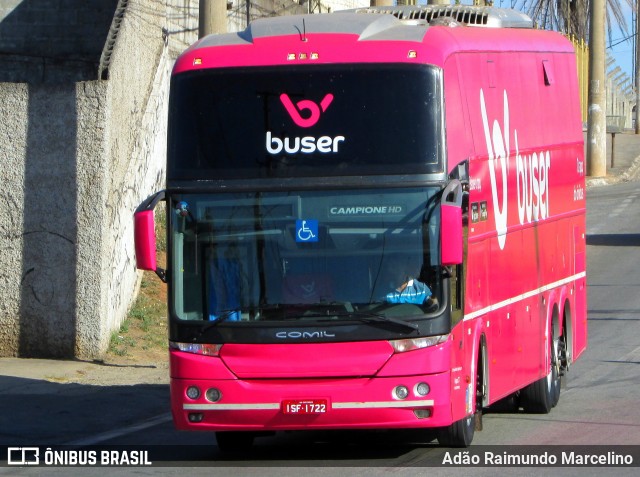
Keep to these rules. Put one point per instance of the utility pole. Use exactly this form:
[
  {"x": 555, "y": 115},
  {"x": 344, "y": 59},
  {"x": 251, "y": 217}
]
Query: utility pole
[
  {"x": 597, "y": 115},
  {"x": 212, "y": 17}
]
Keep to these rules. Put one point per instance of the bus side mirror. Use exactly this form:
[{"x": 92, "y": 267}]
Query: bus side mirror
[
  {"x": 144, "y": 231},
  {"x": 451, "y": 224},
  {"x": 145, "y": 240},
  {"x": 451, "y": 234}
]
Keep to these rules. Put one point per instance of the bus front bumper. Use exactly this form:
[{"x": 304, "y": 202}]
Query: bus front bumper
[{"x": 327, "y": 403}]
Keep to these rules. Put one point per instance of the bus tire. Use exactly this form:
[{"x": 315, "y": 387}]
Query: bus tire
[
  {"x": 542, "y": 395},
  {"x": 460, "y": 433},
  {"x": 556, "y": 365},
  {"x": 234, "y": 441}
]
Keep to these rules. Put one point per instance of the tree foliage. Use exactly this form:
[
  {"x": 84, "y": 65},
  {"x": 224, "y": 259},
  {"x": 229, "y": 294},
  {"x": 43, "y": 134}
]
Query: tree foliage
[{"x": 572, "y": 16}]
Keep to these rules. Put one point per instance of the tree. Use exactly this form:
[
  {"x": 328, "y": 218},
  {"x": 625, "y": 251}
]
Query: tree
[{"x": 572, "y": 16}]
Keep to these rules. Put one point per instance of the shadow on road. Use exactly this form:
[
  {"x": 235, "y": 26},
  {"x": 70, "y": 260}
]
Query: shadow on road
[
  {"x": 614, "y": 240},
  {"x": 40, "y": 412}
]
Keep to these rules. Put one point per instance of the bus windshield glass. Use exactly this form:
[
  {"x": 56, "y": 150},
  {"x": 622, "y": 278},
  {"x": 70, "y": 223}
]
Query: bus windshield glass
[
  {"x": 305, "y": 255},
  {"x": 243, "y": 123}
]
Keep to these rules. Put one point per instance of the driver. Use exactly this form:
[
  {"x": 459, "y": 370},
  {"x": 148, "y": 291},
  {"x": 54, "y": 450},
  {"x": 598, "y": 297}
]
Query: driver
[{"x": 403, "y": 286}]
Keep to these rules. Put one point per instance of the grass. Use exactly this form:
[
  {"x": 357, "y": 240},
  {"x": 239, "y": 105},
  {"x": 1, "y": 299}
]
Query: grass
[
  {"x": 143, "y": 334},
  {"x": 144, "y": 331}
]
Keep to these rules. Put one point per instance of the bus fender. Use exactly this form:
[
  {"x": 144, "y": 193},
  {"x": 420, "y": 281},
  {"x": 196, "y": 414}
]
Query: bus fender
[{"x": 473, "y": 333}]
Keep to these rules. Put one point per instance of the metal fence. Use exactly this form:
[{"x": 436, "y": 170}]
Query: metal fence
[{"x": 582, "y": 60}]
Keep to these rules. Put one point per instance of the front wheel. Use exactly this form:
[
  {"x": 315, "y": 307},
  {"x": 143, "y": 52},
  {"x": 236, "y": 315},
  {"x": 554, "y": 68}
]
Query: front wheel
[{"x": 458, "y": 434}]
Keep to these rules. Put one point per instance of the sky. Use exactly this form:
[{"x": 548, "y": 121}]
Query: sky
[
  {"x": 618, "y": 48},
  {"x": 622, "y": 52}
]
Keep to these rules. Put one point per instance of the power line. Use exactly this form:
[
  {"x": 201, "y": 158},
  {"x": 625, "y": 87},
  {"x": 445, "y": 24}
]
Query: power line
[{"x": 623, "y": 40}]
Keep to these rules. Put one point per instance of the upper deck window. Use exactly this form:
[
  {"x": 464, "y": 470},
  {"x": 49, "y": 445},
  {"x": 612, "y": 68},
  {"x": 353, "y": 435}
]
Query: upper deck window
[{"x": 305, "y": 121}]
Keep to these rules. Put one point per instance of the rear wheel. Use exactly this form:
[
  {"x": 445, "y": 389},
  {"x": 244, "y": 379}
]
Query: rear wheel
[
  {"x": 539, "y": 397},
  {"x": 556, "y": 371},
  {"x": 234, "y": 441}
]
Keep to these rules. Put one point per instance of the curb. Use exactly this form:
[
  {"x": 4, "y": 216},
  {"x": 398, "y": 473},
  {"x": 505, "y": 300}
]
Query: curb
[{"x": 631, "y": 174}]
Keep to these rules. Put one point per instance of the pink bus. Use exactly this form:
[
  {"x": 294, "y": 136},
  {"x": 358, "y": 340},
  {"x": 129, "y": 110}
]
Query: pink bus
[{"x": 376, "y": 220}]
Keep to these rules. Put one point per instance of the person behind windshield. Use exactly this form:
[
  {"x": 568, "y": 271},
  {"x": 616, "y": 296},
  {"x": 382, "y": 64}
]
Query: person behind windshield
[{"x": 405, "y": 288}]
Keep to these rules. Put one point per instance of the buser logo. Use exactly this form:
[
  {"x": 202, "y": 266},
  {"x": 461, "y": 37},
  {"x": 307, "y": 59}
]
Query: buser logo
[
  {"x": 305, "y": 105},
  {"x": 532, "y": 173},
  {"x": 305, "y": 114}
]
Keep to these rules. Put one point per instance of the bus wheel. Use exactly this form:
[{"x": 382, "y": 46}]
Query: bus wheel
[
  {"x": 234, "y": 441},
  {"x": 539, "y": 397},
  {"x": 458, "y": 434},
  {"x": 558, "y": 357}
]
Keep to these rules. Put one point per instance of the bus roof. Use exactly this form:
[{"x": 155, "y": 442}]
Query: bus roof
[{"x": 370, "y": 36}]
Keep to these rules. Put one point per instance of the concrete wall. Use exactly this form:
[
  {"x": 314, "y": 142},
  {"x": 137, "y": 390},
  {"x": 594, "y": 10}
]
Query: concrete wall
[
  {"x": 237, "y": 10},
  {"x": 76, "y": 158},
  {"x": 138, "y": 88},
  {"x": 48, "y": 165},
  {"x": 52, "y": 40},
  {"x": 83, "y": 117}
]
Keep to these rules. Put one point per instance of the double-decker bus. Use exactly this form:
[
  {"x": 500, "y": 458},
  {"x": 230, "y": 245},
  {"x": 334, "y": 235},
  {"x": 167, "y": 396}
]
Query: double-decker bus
[{"x": 376, "y": 220}]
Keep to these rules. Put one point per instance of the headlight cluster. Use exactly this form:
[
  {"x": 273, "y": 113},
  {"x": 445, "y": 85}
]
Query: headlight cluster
[
  {"x": 204, "y": 349},
  {"x": 402, "y": 392},
  {"x": 402, "y": 346},
  {"x": 211, "y": 394}
]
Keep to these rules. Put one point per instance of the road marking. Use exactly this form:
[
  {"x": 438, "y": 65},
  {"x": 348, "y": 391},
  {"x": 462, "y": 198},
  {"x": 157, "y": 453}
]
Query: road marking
[
  {"x": 632, "y": 357},
  {"x": 105, "y": 436}
]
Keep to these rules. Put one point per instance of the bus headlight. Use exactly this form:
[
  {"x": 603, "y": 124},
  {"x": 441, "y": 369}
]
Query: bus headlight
[
  {"x": 213, "y": 395},
  {"x": 400, "y": 392},
  {"x": 193, "y": 392},
  {"x": 402, "y": 346},
  {"x": 422, "y": 389},
  {"x": 204, "y": 349}
]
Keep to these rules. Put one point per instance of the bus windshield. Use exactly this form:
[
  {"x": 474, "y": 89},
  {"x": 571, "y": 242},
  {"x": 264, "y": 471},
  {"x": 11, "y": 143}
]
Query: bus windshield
[
  {"x": 337, "y": 120},
  {"x": 305, "y": 255}
]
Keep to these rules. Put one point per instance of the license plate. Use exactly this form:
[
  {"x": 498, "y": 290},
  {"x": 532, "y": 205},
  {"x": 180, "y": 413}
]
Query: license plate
[{"x": 304, "y": 406}]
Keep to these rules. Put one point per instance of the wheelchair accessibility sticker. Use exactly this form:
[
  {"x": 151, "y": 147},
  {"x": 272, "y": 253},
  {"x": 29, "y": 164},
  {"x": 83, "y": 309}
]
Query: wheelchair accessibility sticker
[{"x": 306, "y": 230}]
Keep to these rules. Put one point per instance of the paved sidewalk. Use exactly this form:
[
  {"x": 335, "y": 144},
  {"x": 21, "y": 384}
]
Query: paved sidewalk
[
  {"x": 626, "y": 160},
  {"x": 57, "y": 402}
]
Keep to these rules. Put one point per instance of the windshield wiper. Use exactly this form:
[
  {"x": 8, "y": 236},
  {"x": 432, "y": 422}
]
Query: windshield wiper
[
  {"x": 340, "y": 310},
  {"x": 296, "y": 311},
  {"x": 368, "y": 316},
  {"x": 223, "y": 316}
]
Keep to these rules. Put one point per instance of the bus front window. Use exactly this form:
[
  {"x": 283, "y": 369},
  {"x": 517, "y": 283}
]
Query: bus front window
[{"x": 328, "y": 255}]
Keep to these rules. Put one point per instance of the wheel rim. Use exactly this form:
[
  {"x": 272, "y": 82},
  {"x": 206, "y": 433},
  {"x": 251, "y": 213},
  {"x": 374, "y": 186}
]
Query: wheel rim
[{"x": 553, "y": 370}]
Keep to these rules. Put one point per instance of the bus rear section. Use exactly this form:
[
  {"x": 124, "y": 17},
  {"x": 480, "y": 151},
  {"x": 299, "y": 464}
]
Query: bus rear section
[{"x": 337, "y": 254}]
